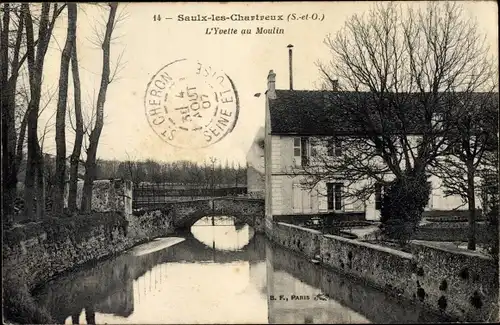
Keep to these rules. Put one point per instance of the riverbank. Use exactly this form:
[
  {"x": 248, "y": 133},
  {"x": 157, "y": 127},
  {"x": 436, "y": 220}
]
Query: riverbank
[
  {"x": 238, "y": 276},
  {"x": 34, "y": 253},
  {"x": 455, "y": 283}
]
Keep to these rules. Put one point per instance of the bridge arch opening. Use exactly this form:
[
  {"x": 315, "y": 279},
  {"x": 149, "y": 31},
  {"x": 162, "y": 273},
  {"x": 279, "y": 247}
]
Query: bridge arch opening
[
  {"x": 186, "y": 214},
  {"x": 225, "y": 233}
]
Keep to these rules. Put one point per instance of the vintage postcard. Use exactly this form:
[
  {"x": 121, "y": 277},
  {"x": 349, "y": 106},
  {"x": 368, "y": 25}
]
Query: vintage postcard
[{"x": 250, "y": 162}]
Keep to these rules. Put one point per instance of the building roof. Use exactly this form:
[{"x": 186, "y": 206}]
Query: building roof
[{"x": 306, "y": 112}]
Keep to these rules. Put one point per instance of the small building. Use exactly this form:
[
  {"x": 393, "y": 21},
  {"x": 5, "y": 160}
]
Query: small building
[{"x": 256, "y": 167}]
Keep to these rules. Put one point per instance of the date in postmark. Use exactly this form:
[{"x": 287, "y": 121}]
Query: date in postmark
[{"x": 190, "y": 105}]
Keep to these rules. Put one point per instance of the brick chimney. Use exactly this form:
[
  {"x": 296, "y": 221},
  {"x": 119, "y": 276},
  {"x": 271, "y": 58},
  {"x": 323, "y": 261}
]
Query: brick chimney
[
  {"x": 271, "y": 85},
  {"x": 335, "y": 85}
]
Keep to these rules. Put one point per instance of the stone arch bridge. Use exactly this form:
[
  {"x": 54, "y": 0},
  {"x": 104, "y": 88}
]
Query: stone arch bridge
[
  {"x": 184, "y": 214},
  {"x": 117, "y": 195}
]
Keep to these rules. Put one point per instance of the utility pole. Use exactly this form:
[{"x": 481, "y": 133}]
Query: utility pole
[{"x": 213, "y": 160}]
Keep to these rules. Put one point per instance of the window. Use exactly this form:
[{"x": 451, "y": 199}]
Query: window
[
  {"x": 300, "y": 151},
  {"x": 437, "y": 121},
  {"x": 378, "y": 196},
  {"x": 301, "y": 199},
  {"x": 297, "y": 198},
  {"x": 338, "y": 147},
  {"x": 334, "y": 196},
  {"x": 296, "y": 147},
  {"x": 312, "y": 145},
  {"x": 334, "y": 147}
]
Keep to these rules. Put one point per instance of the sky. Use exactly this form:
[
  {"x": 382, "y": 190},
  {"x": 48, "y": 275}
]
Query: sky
[{"x": 147, "y": 45}]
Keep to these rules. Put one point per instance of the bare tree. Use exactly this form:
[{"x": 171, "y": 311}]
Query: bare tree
[
  {"x": 90, "y": 164},
  {"x": 36, "y": 57},
  {"x": 195, "y": 174},
  {"x": 392, "y": 73},
  {"x": 58, "y": 202},
  {"x": 135, "y": 173},
  {"x": 79, "y": 133},
  {"x": 23, "y": 113},
  {"x": 8, "y": 89},
  {"x": 470, "y": 144},
  {"x": 490, "y": 197},
  {"x": 16, "y": 20}
]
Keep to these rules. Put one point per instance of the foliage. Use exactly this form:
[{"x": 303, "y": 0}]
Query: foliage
[
  {"x": 491, "y": 204},
  {"x": 15, "y": 235},
  {"x": 19, "y": 306},
  {"x": 80, "y": 227},
  {"x": 402, "y": 206},
  {"x": 172, "y": 172}
]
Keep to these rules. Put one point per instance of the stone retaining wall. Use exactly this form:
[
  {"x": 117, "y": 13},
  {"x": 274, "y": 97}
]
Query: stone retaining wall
[
  {"x": 383, "y": 267},
  {"x": 37, "y": 252},
  {"x": 452, "y": 231},
  {"x": 459, "y": 281},
  {"x": 299, "y": 239},
  {"x": 458, "y": 284}
]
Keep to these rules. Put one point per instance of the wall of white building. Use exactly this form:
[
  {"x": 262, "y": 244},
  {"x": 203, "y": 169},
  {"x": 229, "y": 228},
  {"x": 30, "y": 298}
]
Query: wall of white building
[{"x": 289, "y": 197}]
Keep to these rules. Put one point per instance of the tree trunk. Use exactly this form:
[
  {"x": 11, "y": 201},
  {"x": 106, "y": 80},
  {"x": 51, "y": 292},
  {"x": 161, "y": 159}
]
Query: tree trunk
[
  {"x": 9, "y": 176},
  {"x": 90, "y": 314},
  {"x": 35, "y": 68},
  {"x": 60, "y": 175},
  {"x": 88, "y": 182},
  {"x": 75, "y": 156},
  {"x": 40, "y": 185},
  {"x": 90, "y": 164},
  {"x": 471, "y": 198},
  {"x": 31, "y": 161},
  {"x": 20, "y": 141}
]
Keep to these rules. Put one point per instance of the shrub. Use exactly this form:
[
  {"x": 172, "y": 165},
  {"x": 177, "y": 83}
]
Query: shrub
[
  {"x": 402, "y": 205},
  {"x": 490, "y": 200},
  {"x": 493, "y": 227},
  {"x": 19, "y": 306}
]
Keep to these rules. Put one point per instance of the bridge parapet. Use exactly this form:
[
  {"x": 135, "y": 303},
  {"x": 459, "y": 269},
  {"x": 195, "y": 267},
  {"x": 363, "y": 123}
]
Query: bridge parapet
[{"x": 185, "y": 214}]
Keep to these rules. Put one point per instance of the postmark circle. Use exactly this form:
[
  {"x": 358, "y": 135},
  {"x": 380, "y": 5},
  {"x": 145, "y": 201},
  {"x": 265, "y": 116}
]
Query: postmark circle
[{"x": 190, "y": 105}]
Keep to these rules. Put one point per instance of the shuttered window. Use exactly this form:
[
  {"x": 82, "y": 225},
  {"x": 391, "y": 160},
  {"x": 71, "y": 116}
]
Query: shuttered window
[
  {"x": 304, "y": 154},
  {"x": 296, "y": 147}
]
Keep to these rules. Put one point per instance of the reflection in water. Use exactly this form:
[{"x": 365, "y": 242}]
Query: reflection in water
[
  {"x": 229, "y": 236},
  {"x": 217, "y": 276}
]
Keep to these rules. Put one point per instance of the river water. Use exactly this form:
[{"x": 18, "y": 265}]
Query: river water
[{"x": 222, "y": 273}]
